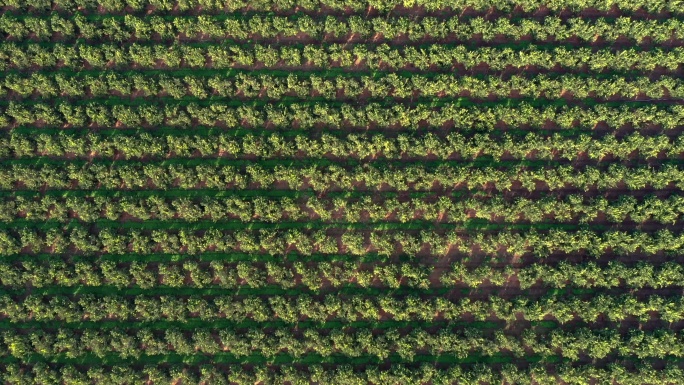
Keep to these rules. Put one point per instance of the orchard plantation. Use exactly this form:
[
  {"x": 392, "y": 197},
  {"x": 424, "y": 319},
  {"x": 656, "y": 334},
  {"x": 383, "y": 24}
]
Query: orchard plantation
[{"x": 341, "y": 192}]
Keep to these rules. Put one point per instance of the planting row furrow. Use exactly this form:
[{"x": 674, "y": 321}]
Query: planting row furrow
[
  {"x": 595, "y": 344},
  {"x": 343, "y": 6},
  {"x": 571, "y": 209},
  {"x": 48, "y": 56},
  {"x": 340, "y": 115},
  {"x": 314, "y": 87},
  {"x": 315, "y": 276},
  {"x": 537, "y": 373},
  {"x": 414, "y": 177},
  {"x": 546, "y": 373},
  {"x": 347, "y": 308},
  {"x": 79, "y": 240},
  {"x": 343, "y": 148},
  {"x": 259, "y": 27}
]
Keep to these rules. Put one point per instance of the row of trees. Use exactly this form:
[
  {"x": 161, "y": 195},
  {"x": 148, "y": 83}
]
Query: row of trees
[
  {"x": 273, "y": 210},
  {"x": 364, "y": 146},
  {"x": 254, "y": 310},
  {"x": 164, "y": 6},
  {"x": 129, "y": 344},
  {"x": 325, "y": 275},
  {"x": 324, "y": 56},
  {"x": 413, "y": 177},
  {"x": 427, "y": 373},
  {"x": 353, "y": 242},
  {"x": 373, "y": 115},
  {"x": 215, "y": 274},
  {"x": 309, "y": 86},
  {"x": 585, "y": 275},
  {"x": 259, "y": 26}
]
